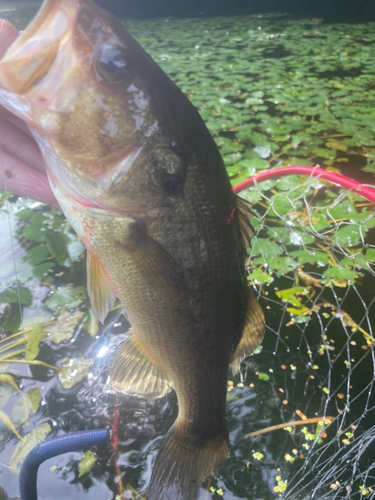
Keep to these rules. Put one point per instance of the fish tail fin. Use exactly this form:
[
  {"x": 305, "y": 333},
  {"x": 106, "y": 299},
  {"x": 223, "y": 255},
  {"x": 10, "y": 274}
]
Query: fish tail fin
[{"x": 182, "y": 465}]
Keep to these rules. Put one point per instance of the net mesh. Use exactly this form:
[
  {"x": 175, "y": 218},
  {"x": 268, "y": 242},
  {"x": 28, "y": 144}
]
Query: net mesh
[{"x": 312, "y": 264}]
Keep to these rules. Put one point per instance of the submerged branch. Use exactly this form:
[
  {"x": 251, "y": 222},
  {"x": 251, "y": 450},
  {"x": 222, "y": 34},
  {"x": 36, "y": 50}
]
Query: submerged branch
[
  {"x": 29, "y": 362},
  {"x": 314, "y": 420}
]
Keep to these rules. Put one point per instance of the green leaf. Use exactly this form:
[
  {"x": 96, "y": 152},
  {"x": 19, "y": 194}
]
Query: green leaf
[
  {"x": 290, "y": 237},
  {"x": 36, "y": 255},
  {"x": 65, "y": 325},
  {"x": 282, "y": 264},
  {"x": 34, "y": 397},
  {"x": 336, "y": 145},
  {"x": 67, "y": 296},
  {"x": 73, "y": 371},
  {"x": 341, "y": 273},
  {"x": 29, "y": 402},
  {"x": 232, "y": 158},
  {"x": 260, "y": 277},
  {"x": 24, "y": 447},
  {"x": 8, "y": 422},
  {"x": 266, "y": 248},
  {"x": 256, "y": 163},
  {"x": 57, "y": 245},
  {"x": 16, "y": 295},
  {"x": 290, "y": 295},
  {"x": 12, "y": 325},
  {"x": 289, "y": 182},
  {"x": 87, "y": 463},
  {"x": 42, "y": 269},
  {"x": 34, "y": 234},
  {"x": 8, "y": 379},
  {"x": 282, "y": 204},
  {"x": 348, "y": 235},
  {"x": 32, "y": 346},
  {"x": 5, "y": 394},
  {"x": 310, "y": 257},
  {"x": 263, "y": 376},
  {"x": 24, "y": 214},
  {"x": 233, "y": 170},
  {"x": 264, "y": 151},
  {"x": 294, "y": 161}
]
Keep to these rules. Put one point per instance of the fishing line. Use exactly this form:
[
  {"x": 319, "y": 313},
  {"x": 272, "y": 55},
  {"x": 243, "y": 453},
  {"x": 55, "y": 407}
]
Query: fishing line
[{"x": 18, "y": 282}]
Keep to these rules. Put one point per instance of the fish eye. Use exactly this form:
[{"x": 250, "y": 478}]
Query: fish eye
[{"x": 114, "y": 63}]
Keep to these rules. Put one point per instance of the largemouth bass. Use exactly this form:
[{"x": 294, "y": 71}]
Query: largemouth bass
[{"x": 141, "y": 181}]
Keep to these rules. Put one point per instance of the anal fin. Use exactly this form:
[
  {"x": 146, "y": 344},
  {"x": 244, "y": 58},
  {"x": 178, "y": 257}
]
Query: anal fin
[
  {"x": 252, "y": 334},
  {"x": 133, "y": 372},
  {"x": 99, "y": 288}
]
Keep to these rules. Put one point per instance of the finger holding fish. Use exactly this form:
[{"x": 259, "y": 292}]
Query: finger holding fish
[{"x": 22, "y": 168}]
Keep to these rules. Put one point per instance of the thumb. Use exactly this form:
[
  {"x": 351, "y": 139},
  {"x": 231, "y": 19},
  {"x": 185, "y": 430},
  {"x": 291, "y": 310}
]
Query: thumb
[{"x": 8, "y": 34}]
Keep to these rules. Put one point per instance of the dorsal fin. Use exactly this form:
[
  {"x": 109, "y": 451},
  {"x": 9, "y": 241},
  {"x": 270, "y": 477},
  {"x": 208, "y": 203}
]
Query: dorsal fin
[
  {"x": 245, "y": 227},
  {"x": 252, "y": 334}
]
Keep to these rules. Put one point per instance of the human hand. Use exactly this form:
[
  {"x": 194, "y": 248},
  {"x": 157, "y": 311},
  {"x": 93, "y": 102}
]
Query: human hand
[{"x": 22, "y": 168}]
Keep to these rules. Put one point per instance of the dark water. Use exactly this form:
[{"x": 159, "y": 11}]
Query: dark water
[{"x": 292, "y": 373}]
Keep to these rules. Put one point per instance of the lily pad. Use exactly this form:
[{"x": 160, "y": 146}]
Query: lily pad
[
  {"x": 260, "y": 277},
  {"x": 24, "y": 447},
  {"x": 73, "y": 371},
  {"x": 255, "y": 163},
  {"x": 64, "y": 326},
  {"x": 32, "y": 345},
  {"x": 341, "y": 273},
  {"x": 267, "y": 249},
  {"x": 87, "y": 463},
  {"x": 310, "y": 256},
  {"x": 8, "y": 423},
  {"x": 36, "y": 255},
  {"x": 29, "y": 402},
  {"x": 290, "y": 236},
  {"x": 16, "y": 295},
  {"x": 67, "y": 296},
  {"x": 5, "y": 394},
  {"x": 57, "y": 245},
  {"x": 348, "y": 235}
]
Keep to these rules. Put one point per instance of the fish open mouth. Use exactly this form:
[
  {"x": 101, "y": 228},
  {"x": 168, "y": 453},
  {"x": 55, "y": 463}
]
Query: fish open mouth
[{"x": 31, "y": 56}]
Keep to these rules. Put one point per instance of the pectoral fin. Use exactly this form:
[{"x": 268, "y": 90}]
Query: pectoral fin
[
  {"x": 133, "y": 372},
  {"x": 99, "y": 288},
  {"x": 252, "y": 335},
  {"x": 151, "y": 259},
  {"x": 246, "y": 229}
]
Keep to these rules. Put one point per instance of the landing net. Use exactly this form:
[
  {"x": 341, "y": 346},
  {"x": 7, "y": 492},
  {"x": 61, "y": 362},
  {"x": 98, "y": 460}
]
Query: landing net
[{"x": 312, "y": 263}]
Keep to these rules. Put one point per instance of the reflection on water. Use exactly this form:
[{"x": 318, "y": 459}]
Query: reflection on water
[
  {"x": 323, "y": 366},
  {"x": 19, "y": 13}
]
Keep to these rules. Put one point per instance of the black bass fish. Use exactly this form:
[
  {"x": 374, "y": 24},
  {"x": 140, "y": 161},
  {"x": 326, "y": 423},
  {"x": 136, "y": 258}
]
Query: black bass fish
[{"x": 141, "y": 181}]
